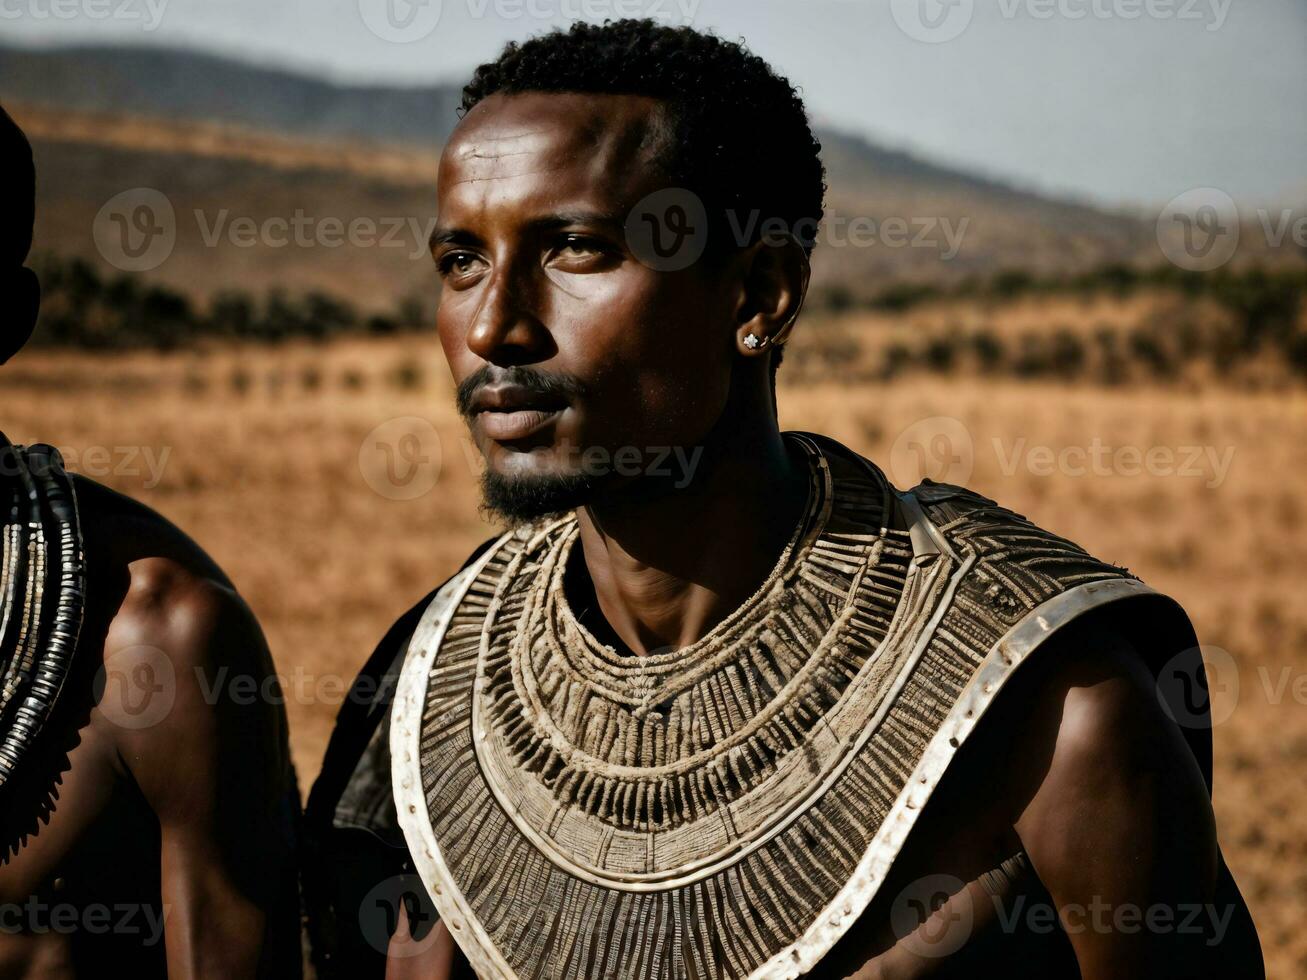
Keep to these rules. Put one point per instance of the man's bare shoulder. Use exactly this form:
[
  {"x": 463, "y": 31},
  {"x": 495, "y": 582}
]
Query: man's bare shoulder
[
  {"x": 167, "y": 621},
  {"x": 1085, "y": 720},
  {"x": 120, "y": 532},
  {"x": 1112, "y": 807}
]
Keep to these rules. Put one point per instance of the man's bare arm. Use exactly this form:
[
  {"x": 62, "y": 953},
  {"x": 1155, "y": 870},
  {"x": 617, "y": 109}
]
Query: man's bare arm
[
  {"x": 210, "y": 764},
  {"x": 1119, "y": 824}
]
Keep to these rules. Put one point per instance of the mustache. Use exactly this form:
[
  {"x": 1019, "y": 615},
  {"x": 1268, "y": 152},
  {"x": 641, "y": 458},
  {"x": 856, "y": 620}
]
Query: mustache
[{"x": 536, "y": 381}]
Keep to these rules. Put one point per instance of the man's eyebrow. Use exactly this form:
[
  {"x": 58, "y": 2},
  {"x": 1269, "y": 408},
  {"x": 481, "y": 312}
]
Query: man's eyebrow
[
  {"x": 451, "y": 236},
  {"x": 560, "y": 219},
  {"x": 546, "y": 222}
]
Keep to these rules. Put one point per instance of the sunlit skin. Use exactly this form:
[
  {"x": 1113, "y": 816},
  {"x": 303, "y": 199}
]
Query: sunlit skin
[
  {"x": 1077, "y": 765},
  {"x": 536, "y": 272}
]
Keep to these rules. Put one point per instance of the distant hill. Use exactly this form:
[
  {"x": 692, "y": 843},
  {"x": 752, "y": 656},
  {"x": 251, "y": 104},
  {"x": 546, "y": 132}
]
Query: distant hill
[
  {"x": 222, "y": 137},
  {"x": 192, "y": 86}
]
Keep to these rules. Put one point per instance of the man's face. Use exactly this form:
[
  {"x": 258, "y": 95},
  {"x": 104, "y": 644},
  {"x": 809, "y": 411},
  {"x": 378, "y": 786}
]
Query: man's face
[{"x": 566, "y": 347}]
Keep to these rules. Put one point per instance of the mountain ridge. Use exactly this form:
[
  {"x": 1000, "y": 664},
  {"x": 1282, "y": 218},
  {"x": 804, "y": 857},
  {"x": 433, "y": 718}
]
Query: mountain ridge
[{"x": 219, "y": 135}]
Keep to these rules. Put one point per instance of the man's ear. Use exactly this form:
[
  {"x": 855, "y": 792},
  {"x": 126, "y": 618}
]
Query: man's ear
[
  {"x": 774, "y": 278},
  {"x": 20, "y": 291}
]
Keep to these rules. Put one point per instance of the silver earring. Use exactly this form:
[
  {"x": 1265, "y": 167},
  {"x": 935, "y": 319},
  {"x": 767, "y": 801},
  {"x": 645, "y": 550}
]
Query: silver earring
[{"x": 752, "y": 341}]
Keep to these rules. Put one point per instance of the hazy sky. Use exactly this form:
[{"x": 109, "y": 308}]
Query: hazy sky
[{"x": 1120, "y": 101}]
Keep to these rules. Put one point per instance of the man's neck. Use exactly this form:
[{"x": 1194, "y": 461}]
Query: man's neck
[{"x": 667, "y": 570}]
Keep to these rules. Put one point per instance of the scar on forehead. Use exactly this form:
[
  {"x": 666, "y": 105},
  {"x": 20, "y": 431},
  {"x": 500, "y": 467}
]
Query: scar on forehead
[
  {"x": 514, "y": 144},
  {"x": 491, "y": 157},
  {"x": 500, "y": 174}
]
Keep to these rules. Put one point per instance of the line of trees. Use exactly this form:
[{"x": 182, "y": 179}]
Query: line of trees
[
  {"x": 1265, "y": 306},
  {"x": 84, "y": 309}
]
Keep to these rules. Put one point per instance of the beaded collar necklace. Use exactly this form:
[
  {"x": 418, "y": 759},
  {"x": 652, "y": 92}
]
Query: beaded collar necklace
[{"x": 42, "y": 594}]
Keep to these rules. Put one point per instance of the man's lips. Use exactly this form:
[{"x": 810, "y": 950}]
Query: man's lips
[
  {"x": 510, "y": 413},
  {"x": 514, "y": 426}
]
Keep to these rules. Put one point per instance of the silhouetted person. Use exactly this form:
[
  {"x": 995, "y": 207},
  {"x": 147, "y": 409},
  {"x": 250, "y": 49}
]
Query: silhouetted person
[{"x": 149, "y": 816}]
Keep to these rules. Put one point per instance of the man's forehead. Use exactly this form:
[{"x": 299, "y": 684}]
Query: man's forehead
[{"x": 516, "y": 135}]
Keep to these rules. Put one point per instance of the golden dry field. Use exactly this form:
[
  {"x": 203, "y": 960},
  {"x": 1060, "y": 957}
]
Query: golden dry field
[{"x": 272, "y": 459}]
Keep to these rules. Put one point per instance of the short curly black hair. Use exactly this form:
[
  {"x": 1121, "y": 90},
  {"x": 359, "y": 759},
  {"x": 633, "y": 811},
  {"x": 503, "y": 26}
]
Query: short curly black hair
[{"x": 739, "y": 134}]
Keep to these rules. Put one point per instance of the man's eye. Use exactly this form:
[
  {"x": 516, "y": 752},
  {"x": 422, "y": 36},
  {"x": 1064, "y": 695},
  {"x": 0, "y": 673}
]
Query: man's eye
[
  {"x": 580, "y": 245},
  {"x": 457, "y": 263},
  {"x": 581, "y": 253}
]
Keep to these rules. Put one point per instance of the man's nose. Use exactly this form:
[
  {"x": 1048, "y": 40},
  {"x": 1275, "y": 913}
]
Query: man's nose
[{"x": 505, "y": 329}]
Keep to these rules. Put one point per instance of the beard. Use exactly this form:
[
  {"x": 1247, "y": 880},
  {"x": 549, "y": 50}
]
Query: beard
[{"x": 523, "y": 499}]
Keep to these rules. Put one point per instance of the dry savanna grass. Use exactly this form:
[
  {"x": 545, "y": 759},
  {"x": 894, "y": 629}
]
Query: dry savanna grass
[{"x": 269, "y": 457}]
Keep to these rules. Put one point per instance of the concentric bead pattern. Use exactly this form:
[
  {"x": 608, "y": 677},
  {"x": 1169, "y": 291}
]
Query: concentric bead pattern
[
  {"x": 42, "y": 590},
  {"x": 696, "y": 814}
]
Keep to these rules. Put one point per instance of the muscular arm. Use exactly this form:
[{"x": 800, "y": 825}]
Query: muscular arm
[
  {"x": 209, "y": 758},
  {"x": 1119, "y": 825}
]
